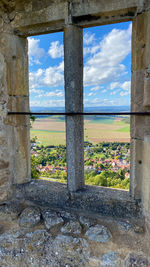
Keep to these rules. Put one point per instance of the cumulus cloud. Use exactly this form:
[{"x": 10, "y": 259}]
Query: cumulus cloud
[
  {"x": 126, "y": 85},
  {"x": 56, "y": 50},
  {"x": 88, "y": 38},
  {"x": 34, "y": 51},
  {"x": 103, "y": 65},
  {"x": 50, "y": 77},
  {"x": 106, "y": 64},
  {"x": 114, "y": 85}
]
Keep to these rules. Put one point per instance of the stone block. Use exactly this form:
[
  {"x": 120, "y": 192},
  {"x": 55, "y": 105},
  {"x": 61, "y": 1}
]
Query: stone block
[
  {"x": 146, "y": 174},
  {"x": 18, "y": 104},
  {"x": 30, "y": 217},
  {"x": 136, "y": 171},
  {"x": 98, "y": 233},
  {"x": 146, "y": 101},
  {"x": 136, "y": 260},
  {"x": 71, "y": 227},
  {"x": 82, "y": 7},
  {"x": 148, "y": 39},
  {"x": 51, "y": 219},
  {"x": 41, "y": 13},
  {"x": 137, "y": 92},
  {"x": 19, "y": 152},
  {"x": 15, "y": 50},
  {"x": 139, "y": 35}
]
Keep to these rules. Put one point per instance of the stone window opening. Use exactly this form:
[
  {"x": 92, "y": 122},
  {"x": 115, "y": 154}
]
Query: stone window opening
[
  {"x": 71, "y": 19},
  {"x": 104, "y": 224},
  {"x": 106, "y": 89}
]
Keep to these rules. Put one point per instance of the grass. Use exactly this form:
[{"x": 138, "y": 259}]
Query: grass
[
  {"x": 48, "y": 137},
  {"x": 124, "y": 129}
]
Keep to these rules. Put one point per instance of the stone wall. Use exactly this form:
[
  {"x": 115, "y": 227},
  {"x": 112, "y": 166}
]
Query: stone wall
[
  {"x": 14, "y": 97},
  {"x": 41, "y": 236},
  {"x": 18, "y": 20}
]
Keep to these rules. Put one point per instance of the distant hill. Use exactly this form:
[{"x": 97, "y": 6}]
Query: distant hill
[{"x": 86, "y": 109}]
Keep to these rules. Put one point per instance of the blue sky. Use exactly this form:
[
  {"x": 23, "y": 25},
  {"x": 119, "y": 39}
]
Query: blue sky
[{"x": 107, "y": 67}]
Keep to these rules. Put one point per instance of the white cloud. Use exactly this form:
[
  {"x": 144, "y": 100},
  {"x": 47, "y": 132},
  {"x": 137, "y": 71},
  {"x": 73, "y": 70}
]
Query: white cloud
[
  {"x": 90, "y": 94},
  {"x": 34, "y": 51},
  {"x": 48, "y": 103},
  {"x": 104, "y": 91},
  {"x": 53, "y": 77},
  {"x": 56, "y": 93},
  {"x": 126, "y": 85},
  {"x": 106, "y": 64},
  {"x": 96, "y": 88},
  {"x": 114, "y": 92},
  {"x": 113, "y": 85},
  {"x": 90, "y": 49},
  {"x": 98, "y": 102},
  {"x": 122, "y": 93},
  {"x": 50, "y": 77},
  {"x": 35, "y": 78},
  {"x": 56, "y": 50},
  {"x": 36, "y": 91},
  {"x": 88, "y": 38}
]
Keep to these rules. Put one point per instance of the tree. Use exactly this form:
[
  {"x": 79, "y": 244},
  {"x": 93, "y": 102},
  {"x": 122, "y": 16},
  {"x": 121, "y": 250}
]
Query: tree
[{"x": 35, "y": 174}]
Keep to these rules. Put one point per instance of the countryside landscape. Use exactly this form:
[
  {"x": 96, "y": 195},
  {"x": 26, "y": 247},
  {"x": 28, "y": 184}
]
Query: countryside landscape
[{"x": 106, "y": 152}]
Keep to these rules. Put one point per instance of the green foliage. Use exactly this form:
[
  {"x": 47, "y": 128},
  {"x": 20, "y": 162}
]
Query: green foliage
[
  {"x": 101, "y": 176},
  {"x": 35, "y": 174},
  {"x": 108, "y": 179}
]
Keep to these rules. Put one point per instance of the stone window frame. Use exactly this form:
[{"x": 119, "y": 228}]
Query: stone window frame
[{"x": 71, "y": 17}]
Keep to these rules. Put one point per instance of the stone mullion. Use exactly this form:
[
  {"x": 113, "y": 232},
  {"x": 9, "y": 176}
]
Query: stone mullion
[{"x": 73, "y": 60}]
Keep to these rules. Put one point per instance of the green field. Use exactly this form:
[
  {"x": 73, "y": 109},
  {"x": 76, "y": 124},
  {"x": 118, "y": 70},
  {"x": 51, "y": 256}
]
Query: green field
[
  {"x": 124, "y": 129},
  {"x": 51, "y": 130},
  {"x": 48, "y": 137}
]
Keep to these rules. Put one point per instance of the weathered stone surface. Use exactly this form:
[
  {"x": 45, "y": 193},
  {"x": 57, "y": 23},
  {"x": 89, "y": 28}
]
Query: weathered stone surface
[
  {"x": 73, "y": 69},
  {"x": 98, "y": 233},
  {"x": 139, "y": 42},
  {"x": 109, "y": 259},
  {"x": 30, "y": 217},
  {"x": 51, "y": 219},
  {"x": 105, "y": 201},
  {"x": 71, "y": 251},
  {"x": 71, "y": 227},
  {"x": 86, "y": 221},
  {"x": 139, "y": 229},
  {"x": 136, "y": 260},
  {"x": 124, "y": 226},
  {"x": 68, "y": 215},
  {"x": 19, "y": 19}
]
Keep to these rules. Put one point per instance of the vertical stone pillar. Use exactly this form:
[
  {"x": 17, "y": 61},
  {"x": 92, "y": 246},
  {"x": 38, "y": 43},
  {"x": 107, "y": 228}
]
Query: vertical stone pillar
[
  {"x": 146, "y": 103},
  {"x": 140, "y": 101},
  {"x": 14, "y": 50},
  {"x": 137, "y": 93},
  {"x": 73, "y": 60}
]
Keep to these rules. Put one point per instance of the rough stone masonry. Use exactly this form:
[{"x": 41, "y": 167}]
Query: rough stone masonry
[{"x": 75, "y": 225}]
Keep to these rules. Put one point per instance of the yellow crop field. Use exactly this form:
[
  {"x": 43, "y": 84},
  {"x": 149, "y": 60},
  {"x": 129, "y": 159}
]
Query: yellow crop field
[{"x": 51, "y": 131}]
